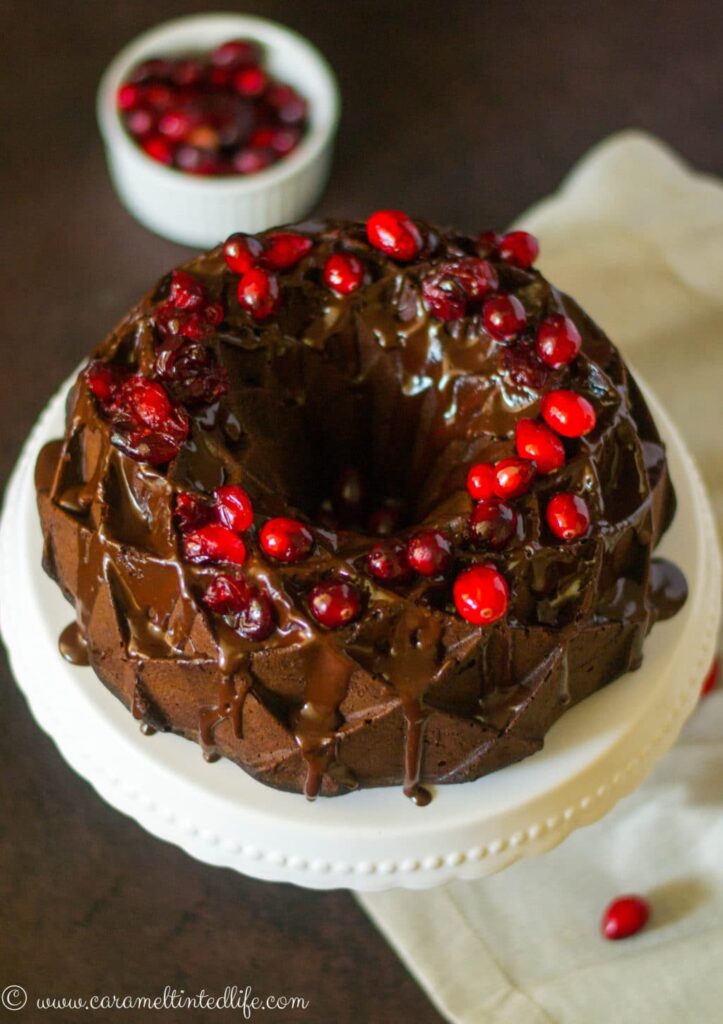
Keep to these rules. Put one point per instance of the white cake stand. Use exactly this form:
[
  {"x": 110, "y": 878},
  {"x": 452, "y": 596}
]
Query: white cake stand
[{"x": 375, "y": 839}]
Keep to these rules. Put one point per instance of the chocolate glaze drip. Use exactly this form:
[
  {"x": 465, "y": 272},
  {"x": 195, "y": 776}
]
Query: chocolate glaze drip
[
  {"x": 410, "y": 693},
  {"x": 73, "y": 646}
]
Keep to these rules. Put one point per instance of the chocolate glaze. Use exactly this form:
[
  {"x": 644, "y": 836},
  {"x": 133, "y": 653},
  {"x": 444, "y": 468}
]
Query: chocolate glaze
[{"x": 410, "y": 693}]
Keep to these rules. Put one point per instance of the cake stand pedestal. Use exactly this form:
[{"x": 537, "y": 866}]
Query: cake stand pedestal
[{"x": 375, "y": 839}]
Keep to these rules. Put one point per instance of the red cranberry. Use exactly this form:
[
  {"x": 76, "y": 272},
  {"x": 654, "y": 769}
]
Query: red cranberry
[
  {"x": 129, "y": 96},
  {"x": 175, "y": 125},
  {"x": 233, "y": 507},
  {"x": 334, "y": 604},
  {"x": 481, "y": 594},
  {"x": 290, "y": 107},
  {"x": 429, "y": 552},
  {"x": 191, "y": 511},
  {"x": 251, "y": 608},
  {"x": 624, "y": 917},
  {"x": 159, "y": 97},
  {"x": 241, "y": 252},
  {"x": 568, "y": 413},
  {"x": 188, "y": 72},
  {"x": 567, "y": 516},
  {"x": 536, "y": 442},
  {"x": 103, "y": 380},
  {"x": 558, "y": 341},
  {"x": 259, "y": 293},
  {"x": 518, "y": 248},
  {"x": 158, "y": 149},
  {"x": 194, "y": 160},
  {"x": 251, "y": 81},
  {"x": 481, "y": 481},
  {"x": 513, "y": 477},
  {"x": 284, "y": 249},
  {"x": 140, "y": 123},
  {"x": 492, "y": 523},
  {"x": 235, "y": 53},
  {"x": 444, "y": 296},
  {"x": 285, "y": 539},
  {"x": 214, "y": 543},
  {"x": 252, "y": 160},
  {"x": 711, "y": 680},
  {"x": 284, "y": 140},
  {"x": 186, "y": 291},
  {"x": 504, "y": 316},
  {"x": 523, "y": 366},
  {"x": 156, "y": 68},
  {"x": 262, "y": 137},
  {"x": 384, "y": 520},
  {"x": 388, "y": 562},
  {"x": 343, "y": 273},
  {"x": 189, "y": 369},
  {"x": 395, "y": 234}
]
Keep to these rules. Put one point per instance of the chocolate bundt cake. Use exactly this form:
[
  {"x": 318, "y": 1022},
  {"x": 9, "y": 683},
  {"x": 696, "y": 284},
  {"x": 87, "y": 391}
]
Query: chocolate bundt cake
[{"x": 357, "y": 505}]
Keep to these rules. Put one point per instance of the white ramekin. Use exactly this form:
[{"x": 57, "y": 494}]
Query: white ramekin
[{"x": 202, "y": 211}]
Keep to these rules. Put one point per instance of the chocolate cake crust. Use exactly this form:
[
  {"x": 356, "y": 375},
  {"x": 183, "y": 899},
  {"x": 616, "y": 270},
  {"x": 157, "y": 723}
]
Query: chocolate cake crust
[{"x": 370, "y": 386}]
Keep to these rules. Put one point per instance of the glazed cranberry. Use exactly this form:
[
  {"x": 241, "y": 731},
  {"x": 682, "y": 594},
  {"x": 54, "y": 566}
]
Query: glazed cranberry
[
  {"x": 251, "y": 81},
  {"x": 186, "y": 291},
  {"x": 235, "y": 54},
  {"x": 481, "y": 594},
  {"x": 518, "y": 248},
  {"x": 334, "y": 604},
  {"x": 558, "y": 341},
  {"x": 140, "y": 123},
  {"x": 233, "y": 507},
  {"x": 188, "y": 369},
  {"x": 259, "y": 293},
  {"x": 190, "y": 511},
  {"x": 148, "y": 427},
  {"x": 284, "y": 249},
  {"x": 444, "y": 296},
  {"x": 158, "y": 149},
  {"x": 536, "y": 442},
  {"x": 481, "y": 481},
  {"x": 711, "y": 680},
  {"x": 175, "y": 125},
  {"x": 492, "y": 523},
  {"x": 477, "y": 277},
  {"x": 290, "y": 107},
  {"x": 395, "y": 234},
  {"x": 129, "y": 96},
  {"x": 343, "y": 273},
  {"x": 429, "y": 552},
  {"x": 513, "y": 477},
  {"x": 241, "y": 252},
  {"x": 523, "y": 366},
  {"x": 103, "y": 380},
  {"x": 388, "y": 562},
  {"x": 624, "y": 917},
  {"x": 487, "y": 242},
  {"x": 252, "y": 160},
  {"x": 567, "y": 516},
  {"x": 250, "y": 607},
  {"x": 568, "y": 413},
  {"x": 285, "y": 539},
  {"x": 504, "y": 316},
  {"x": 384, "y": 520},
  {"x": 214, "y": 543}
]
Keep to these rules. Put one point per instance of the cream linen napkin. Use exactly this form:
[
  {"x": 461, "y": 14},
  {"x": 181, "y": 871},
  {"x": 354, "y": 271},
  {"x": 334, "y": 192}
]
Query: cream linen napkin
[{"x": 637, "y": 238}]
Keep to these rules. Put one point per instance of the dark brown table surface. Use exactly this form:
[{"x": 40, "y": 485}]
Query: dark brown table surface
[{"x": 464, "y": 112}]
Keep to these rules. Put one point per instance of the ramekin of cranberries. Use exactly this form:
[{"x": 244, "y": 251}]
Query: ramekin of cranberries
[{"x": 217, "y": 120}]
